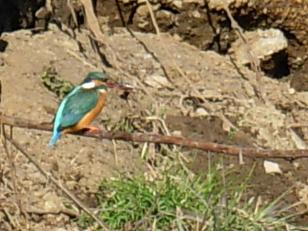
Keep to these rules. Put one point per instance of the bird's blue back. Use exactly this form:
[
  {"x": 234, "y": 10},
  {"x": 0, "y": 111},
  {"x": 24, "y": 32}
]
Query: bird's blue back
[{"x": 57, "y": 123}]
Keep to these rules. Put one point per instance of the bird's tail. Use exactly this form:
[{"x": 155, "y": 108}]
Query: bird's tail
[{"x": 53, "y": 140}]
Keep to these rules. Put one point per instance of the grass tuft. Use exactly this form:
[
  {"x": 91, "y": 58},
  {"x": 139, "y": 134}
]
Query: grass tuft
[{"x": 179, "y": 201}]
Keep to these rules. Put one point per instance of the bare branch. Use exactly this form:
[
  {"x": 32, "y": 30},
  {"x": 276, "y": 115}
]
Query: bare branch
[{"x": 172, "y": 140}]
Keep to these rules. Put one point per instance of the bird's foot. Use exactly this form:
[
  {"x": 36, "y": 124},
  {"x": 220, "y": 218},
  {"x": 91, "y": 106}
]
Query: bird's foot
[{"x": 92, "y": 130}]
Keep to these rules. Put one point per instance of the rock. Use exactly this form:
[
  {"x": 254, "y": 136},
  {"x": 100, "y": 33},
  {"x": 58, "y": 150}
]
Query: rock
[
  {"x": 303, "y": 97},
  {"x": 199, "y": 2},
  {"x": 201, "y": 112},
  {"x": 178, "y": 4},
  {"x": 142, "y": 11},
  {"x": 196, "y": 14},
  {"x": 52, "y": 202},
  {"x": 164, "y": 15},
  {"x": 43, "y": 13},
  {"x": 299, "y": 143},
  {"x": 249, "y": 89},
  {"x": 157, "y": 81},
  {"x": 271, "y": 167},
  {"x": 142, "y": 14},
  {"x": 302, "y": 193},
  {"x": 263, "y": 44},
  {"x": 176, "y": 133},
  {"x": 291, "y": 91},
  {"x": 220, "y": 4}
]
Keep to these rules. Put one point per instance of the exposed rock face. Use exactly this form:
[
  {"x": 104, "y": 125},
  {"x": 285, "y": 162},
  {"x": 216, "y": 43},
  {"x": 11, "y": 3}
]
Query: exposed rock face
[
  {"x": 263, "y": 44},
  {"x": 290, "y": 15}
]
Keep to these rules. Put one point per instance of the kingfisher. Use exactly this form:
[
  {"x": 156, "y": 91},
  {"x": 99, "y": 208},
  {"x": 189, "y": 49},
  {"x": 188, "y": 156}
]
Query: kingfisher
[{"x": 82, "y": 105}]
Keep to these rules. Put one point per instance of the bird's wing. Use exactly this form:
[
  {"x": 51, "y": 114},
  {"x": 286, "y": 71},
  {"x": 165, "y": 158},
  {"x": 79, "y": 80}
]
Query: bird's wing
[
  {"x": 59, "y": 114},
  {"x": 77, "y": 106},
  {"x": 58, "y": 117}
]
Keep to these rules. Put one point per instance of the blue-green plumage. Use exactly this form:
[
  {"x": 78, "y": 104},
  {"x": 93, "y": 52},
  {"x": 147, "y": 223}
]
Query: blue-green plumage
[
  {"x": 77, "y": 106},
  {"x": 58, "y": 118}
]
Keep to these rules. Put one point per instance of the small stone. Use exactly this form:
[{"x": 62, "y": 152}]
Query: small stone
[
  {"x": 271, "y": 167},
  {"x": 164, "y": 15},
  {"x": 177, "y": 37},
  {"x": 196, "y": 14},
  {"x": 296, "y": 165},
  {"x": 249, "y": 89},
  {"x": 263, "y": 44},
  {"x": 142, "y": 11},
  {"x": 199, "y": 2},
  {"x": 219, "y": 4},
  {"x": 157, "y": 81},
  {"x": 201, "y": 112},
  {"x": 178, "y": 4},
  {"x": 42, "y": 13},
  {"x": 143, "y": 24},
  {"x": 291, "y": 91},
  {"x": 176, "y": 133}
]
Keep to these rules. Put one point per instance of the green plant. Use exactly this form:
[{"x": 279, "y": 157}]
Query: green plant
[
  {"x": 178, "y": 201},
  {"x": 55, "y": 84}
]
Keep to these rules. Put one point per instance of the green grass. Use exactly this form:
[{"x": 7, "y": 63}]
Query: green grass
[{"x": 180, "y": 201}]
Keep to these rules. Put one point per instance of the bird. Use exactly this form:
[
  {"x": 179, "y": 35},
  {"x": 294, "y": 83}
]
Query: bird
[{"x": 83, "y": 104}]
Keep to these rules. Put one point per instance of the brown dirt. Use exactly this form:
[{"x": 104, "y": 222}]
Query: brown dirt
[
  {"x": 81, "y": 163},
  {"x": 209, "y": 29}
]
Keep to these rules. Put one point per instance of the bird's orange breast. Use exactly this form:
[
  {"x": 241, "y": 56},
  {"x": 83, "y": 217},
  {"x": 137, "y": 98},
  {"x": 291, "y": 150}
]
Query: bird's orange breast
[{"x": 90, "y": 116}]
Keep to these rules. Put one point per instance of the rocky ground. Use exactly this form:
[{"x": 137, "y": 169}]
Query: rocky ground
[{"x": 198, "y": 93}]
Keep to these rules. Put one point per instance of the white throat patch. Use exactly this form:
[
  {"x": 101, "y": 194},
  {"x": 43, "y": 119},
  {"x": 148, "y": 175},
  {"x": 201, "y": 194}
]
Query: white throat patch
[
  {"x": 89, "y": 85},
  {"x": 102, "y": 91}
]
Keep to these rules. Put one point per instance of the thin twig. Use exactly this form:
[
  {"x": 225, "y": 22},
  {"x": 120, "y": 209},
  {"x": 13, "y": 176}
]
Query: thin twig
[
  {"x": 253, "y": 59},
  {"x": 154, "y": 22},
  {"x": 51, "y": 178},
  {"x": 9, "y": 217},
  {"x": 172, "y": 140},
  {"x": 255, "y": 63},
  {"x": 69, "y": 5}
]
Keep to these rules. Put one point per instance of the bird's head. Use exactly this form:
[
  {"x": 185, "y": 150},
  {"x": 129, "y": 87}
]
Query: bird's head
[{"x": 101, "y": 81}]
